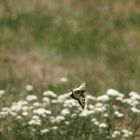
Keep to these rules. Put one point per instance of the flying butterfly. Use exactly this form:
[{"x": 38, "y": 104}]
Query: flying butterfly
[{"x": 79, "y": 94}]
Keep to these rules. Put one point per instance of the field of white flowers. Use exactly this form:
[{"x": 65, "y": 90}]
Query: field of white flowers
[
  {"x": 112, "y": 116},
  {"x": 49, "y": 46}
]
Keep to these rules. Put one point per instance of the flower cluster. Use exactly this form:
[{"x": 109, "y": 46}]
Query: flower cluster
[
  {"x": 110, "y": 114},
  {"x": 2, "y": 92}
]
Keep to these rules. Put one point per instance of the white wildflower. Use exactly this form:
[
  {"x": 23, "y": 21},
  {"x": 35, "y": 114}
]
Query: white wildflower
[
  {"x": 22, "y": 103},
  {"x": 105, "y": 115},
  {"x": 127, "y": 133},
  {"x": 13, "y": 113},
  {"x": 70, "y": 103},
  {"x": 25, "y": 108},
  {"x": 103, "y": 98},
  {"x": 54, "y": 128},
  {"x": 42, "y": 112},
  {"x": 103, "y": 125},
  {"x": 18, "y": 106},
  {"x": 49, "y": 93},
  {"x": 116, "y": 134},
  {"x": 2, "y": 92},
  {"x": 58, "y": 119},
  {"x": 29, "y": 87},
  {"x": 90, "y": 97},
  {"x": 120, "y": 98},
  {"x": 55, "y": 101},
  {"x": 35, "y": 117},
  {"x": 4, "y": 112},
  {"x": 134, "y": 95},
  {"x": 94, "y": 120},
  {"x": 51, "y": 118},
  {"x": 86, "y": 113},
  {"x": 90, "y": 106},
  {"x": 19, "y": 117},
  {"x": 118, "y": 114},
  {"x": 35, "y": 120},
  {"x": 135, "y": 110},
  {"x": 5, "y": 109},
  {"x": 73, "y": 115},
  {"x": 131, "y": 102},
  {"x": 96, "y": 123},
  {"x": 67, "y": 122},
  {"x": 115, "y": 93},
  {"x": 46, "y": 100},
  {"x": 31, "y": 98},
  {"x": 25, "y": 113},
  {"x": 36, "y": 104},
  {"x": 63, "y": 80},
  {"x": 65, "y": 112},
  {"x": 63, "y": 97},
  {"x": 99, "y": 107},
  {"x": 43, "y": 131}
]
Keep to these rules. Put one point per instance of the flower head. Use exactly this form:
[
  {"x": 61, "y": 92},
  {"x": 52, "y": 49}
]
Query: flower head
[
  {"x": 103, "y": 98},
  {"x": 49, "y": 93},
  {"x": 115, "y": 93},
  {"x": 31, "y": 98},
  {"x": 42, "y": 112},
  {"x": 29, "y": 87},
  {"x": 2, "y": 92},
  {"x": 63, "y": 80},
  {"x": 35, "y": 120},
  {"x": 134, "y": 95}
]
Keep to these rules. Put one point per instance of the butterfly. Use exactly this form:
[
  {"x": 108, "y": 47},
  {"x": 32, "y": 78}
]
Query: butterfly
[{"x": 79, "y": 94}]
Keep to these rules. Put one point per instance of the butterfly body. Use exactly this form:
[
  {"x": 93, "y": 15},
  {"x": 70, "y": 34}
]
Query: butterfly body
[{"x": 79, "y": 95}]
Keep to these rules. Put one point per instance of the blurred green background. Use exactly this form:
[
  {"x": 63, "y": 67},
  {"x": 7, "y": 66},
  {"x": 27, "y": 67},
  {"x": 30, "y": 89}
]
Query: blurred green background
[{"x": 93, "y": 41}]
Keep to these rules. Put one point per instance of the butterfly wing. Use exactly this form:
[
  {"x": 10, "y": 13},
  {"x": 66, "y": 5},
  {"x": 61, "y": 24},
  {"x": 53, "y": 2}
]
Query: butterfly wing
[
  {"x": 79, "y": 96},
  {"x": 81, "y": 100}
]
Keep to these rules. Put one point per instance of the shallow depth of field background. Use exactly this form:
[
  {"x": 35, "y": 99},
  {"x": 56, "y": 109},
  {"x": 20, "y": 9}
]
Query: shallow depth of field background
[{"x": 92, "y": 41}]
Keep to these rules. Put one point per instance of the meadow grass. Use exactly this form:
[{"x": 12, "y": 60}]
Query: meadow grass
[{"x": 96, "y": 42}]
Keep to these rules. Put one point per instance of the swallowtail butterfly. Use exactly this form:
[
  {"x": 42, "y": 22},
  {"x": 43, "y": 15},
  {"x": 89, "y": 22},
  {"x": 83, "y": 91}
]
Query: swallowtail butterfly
[{"x": 79, "y": 94}]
